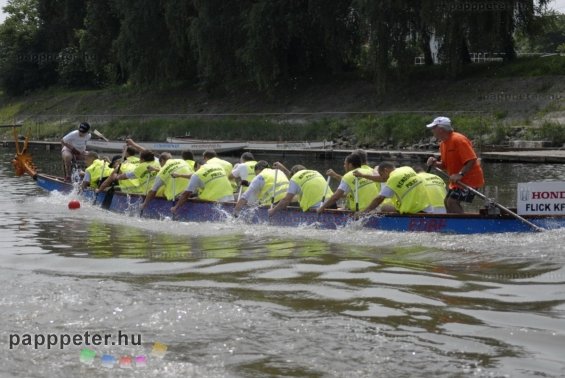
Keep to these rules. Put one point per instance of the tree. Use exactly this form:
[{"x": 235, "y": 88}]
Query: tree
[
  {"x": 20, "y": 55},
  {"x": 178, "y": 16},
  {"x": 142, "y": 46},
  {"x": 96, "y": 42},
  {"x": 60, "y": 21},
  {"x": 387, "y": 28},
  {"x": 93, "y": 43},
  {"x": 216, "y": 34},
  {"x": 547, "y": 34}
]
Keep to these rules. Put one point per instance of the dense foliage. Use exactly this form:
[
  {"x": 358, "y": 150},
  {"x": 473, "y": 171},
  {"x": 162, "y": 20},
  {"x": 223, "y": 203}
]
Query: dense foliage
[{"x": 96, "y": 43}]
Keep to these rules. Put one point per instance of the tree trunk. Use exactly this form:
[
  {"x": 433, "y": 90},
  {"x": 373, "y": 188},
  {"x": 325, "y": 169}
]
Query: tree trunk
[
  {"x": 426, "y": 48},
  {"x": 381, "y": 46}
]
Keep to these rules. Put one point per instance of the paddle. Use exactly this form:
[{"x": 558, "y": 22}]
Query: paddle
[
  {"x": 106, "y": 202},
  {"x": 99, "y": 181},
  {"x": 146, "y": 191},
  {"x": 503, "y": 208},
  {"x": 99, "y": 134},
  {"x": 326, "y": 189},
  {"x": 356, "y": 193},
  {"x": 325, "y": 193},
  {"x": 429, "y": 168},
  {"x": 174, "y": 192},
  {"x": 239, "y": 192},
  {"x": 274, "y": 189}
]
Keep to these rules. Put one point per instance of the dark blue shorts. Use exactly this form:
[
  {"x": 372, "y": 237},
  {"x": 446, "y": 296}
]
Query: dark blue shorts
[{"x": 461, "y": 194}]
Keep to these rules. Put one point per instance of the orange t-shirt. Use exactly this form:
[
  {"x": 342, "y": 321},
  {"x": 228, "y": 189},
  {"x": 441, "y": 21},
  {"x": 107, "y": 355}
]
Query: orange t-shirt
[{"x": 455, "y": 152}]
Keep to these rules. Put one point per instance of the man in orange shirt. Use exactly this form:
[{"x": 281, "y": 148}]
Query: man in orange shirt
[{"x": 459, "y": 159}]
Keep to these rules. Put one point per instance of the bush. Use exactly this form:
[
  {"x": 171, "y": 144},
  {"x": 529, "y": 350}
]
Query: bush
[{"x": 552, "y": 131}]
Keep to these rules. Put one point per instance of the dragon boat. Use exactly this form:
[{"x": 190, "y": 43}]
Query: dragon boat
[{"x": 196, "y": 210}]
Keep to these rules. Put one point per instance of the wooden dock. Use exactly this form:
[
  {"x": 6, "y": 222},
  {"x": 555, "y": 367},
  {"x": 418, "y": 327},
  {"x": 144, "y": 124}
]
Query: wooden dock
[{"x": 536, "y": 156}]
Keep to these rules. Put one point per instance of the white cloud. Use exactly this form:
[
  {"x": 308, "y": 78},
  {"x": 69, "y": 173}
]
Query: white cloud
[
  {"x": 558, "y": 5},
  {"x": 2, "y": 4}
]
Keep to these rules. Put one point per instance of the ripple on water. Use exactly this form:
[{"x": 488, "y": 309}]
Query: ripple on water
[{"x": 230, "y": 300}]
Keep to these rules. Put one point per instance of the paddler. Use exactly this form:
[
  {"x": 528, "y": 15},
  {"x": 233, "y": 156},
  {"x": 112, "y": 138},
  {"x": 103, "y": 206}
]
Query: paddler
[
  {"x": 97, "y": 170},
  {"x": 359, "y": 192},
  {"x": 309, "y": 185},
  {"x": 268, "y": 187},
  {"x": 406, "y": 188},
  {"x": 165, "y": 184},
  {"x": 210, "y": 182},
  {"x": 211, "y": 157},
  {"x": 436, "y": 188},
  {"x": 244, "y": 172},
  {"x": 74, "y": 147},
  {"x": 142, "y": 177},
  {"x": 460, "y": 161},
  {"x": 129, "y": 164}
]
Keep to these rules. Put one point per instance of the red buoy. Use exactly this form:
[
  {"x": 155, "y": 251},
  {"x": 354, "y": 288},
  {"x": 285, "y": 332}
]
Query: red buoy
[{"x": 74, "y": 204}]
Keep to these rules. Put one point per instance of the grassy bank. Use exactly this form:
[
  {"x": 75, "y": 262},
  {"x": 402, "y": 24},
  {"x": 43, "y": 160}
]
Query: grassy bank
[
  {"x": 490, "y": 102},
  {"x": 378, "y": 130},
  {"x": 397, "y": 130}
]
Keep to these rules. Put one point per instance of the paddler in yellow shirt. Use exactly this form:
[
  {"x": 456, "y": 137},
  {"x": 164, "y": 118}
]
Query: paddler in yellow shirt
[
  {"x": 406, "y": 187},
  {"x": 268, "y": 186},
  {"x": 210, "y": 182},
  {"x": 165, "y": 184},
  {"x": 211, "y": 157},
  {"x": 97, "y": 170},
  {"x": 359, "y": 192},
  {"x": 436, "y": 188},
  {"x": 244, "y": 172},
  {"x": 310, "y": 185},
  {"x": 143, "y": 175}
]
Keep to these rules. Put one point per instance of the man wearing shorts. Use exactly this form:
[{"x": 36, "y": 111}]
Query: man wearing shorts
[
  {"x": 460, "y": 161},
  {"x": 74, "y": 147}
]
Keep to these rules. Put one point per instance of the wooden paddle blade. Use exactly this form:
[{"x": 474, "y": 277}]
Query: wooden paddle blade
[{"x": 99, "y": 134}]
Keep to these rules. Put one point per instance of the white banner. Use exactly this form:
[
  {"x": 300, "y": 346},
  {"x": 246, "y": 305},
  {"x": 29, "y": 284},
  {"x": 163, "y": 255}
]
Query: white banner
[{"x": 541, "y": 198}]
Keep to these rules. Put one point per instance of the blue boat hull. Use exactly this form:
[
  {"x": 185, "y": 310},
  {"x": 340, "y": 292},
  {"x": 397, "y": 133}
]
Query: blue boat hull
[{"x": 200, "y": 211}]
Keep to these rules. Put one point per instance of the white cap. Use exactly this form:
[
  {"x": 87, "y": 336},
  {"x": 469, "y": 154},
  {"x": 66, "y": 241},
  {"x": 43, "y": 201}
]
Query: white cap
[{"x": 440, "y": 121}]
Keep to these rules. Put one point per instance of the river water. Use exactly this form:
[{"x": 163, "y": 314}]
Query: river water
[{"x": 230, "y": 300}]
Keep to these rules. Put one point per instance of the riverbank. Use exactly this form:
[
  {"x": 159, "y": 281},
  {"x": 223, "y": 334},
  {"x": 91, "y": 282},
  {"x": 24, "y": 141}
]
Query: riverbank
[{"x": 493, "y": 104}]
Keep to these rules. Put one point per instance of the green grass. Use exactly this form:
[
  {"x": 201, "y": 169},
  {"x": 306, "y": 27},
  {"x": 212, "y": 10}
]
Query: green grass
[
  {"x": 369, "y": 131},
  {"x": 531, "y": 66},
  {"x": 9, "y": 112},
  {"x": 551, "y": 131},
  {"x": 381, "y": 129},
  {"x": 228, "y": 129}
]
